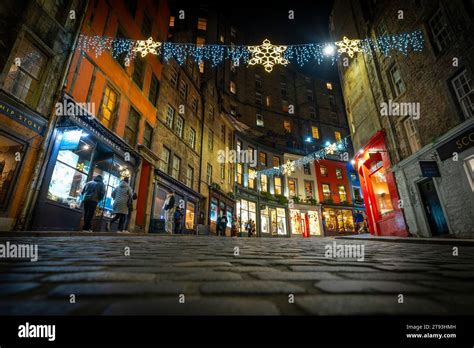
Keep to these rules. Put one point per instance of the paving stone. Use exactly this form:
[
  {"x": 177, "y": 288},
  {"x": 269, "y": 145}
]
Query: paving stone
[
  {"x": 294, "y": 275},
  {"x": 369, "y": 286},
  {"x": 38, "y": 307},
  {"x": 101, "y": 277},
  {"x": 250, "y": 287},
  {"x": 406, "y": 268},
  {"x": 15, "y": 288},
  {"x": 323, "y": 304},
  {"x": 334, "y": 268},
  {"x": 193, "y": 306},
  {"x": 106, "y": 289},
  {"x": 457, "y": 274},
  {"x": 207, "y": 276},
  {"x": 452, "y": 285},
  {"x": 54, "y": 269},
  {"x": 202, "y": 264},
  {"x": 18, "y": 277},
  {"x": 388, "y": 276}
]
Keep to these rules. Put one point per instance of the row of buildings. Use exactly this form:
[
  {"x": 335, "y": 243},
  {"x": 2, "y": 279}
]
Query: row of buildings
[
  {"x": 68, "y": 115},
  {"x": 416, "y": 161}
]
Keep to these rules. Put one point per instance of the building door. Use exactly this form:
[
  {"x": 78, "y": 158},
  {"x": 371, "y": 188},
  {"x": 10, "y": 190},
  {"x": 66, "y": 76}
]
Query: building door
[{"x": 433, "y": 210}]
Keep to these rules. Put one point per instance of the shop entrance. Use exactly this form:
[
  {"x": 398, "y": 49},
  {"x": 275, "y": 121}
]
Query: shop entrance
[{"x": 432, "y": 207}]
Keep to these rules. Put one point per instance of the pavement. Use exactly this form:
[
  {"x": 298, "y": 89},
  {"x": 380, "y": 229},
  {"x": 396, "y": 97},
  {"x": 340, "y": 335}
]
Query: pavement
[{"x": 208, "y": 275}]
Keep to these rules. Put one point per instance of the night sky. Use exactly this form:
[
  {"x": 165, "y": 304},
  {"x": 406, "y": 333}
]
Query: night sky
[{"x": 311, "y": 24}]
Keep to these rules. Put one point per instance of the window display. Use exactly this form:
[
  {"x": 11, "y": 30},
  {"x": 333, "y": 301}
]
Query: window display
[
  {"x": 281, "y": 221},
  {"x": 71, "y": 170},
  {"x": 213, "y": 212},
  {"x": 382, "y": 195},
  {"x": 247, "y": 212},
  {"x": 338, "y": 220},
  {"x": 10, "y": 151},
  {"x": 295, "y": 221},
  {"x": 189, "y": 215},
  {"x": 313, "y": 217},
  {"x": 112, "y": 172}
]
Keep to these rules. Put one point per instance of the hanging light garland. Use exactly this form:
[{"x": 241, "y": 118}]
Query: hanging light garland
[
  {"x": 267, "y": 54},
  {"x": 290, "y": 166}
]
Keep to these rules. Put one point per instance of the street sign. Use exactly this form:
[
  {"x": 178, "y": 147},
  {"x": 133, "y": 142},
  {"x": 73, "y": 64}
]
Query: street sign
[{"x": 429, "y": 169}]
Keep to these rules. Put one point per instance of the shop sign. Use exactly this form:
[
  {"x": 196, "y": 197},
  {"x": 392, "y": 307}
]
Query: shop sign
[
  {"x": 459, "y": 144},
  {"x": 34, "y": 123},
  {"x": 429, "y": 169}
]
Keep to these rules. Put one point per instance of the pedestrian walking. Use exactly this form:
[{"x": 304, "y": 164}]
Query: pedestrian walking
[
  {"x": 253, "y": 228},
  {"x": 169, "y": 210},
  {"x": 178, "y": 220},
  {"x": 92, "y": 193},
  {"x": 359, "y": 221},
  {"x": 224, "y": 222},
  {"x": 218, "y": 225},
  {"x": 233, "y": 228},
  {"x": 248, "y": 227},
  {"x": 122, "y": 195},
  {"x": 130, "y": 209}
]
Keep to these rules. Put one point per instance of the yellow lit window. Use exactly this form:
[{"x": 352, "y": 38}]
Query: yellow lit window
[
  {"x": 277, "y": 186},
  {"x": 172, "y": 21},
  {"x": 200, "y": 41},
  {"x": 315, "y": 132},
  {"x": 251, "y": 178},
  {"x": 239, "y": 173},
  {"x": 263, "y": 183},
  {"x": 202, "y": 23},
  {"x": 337, "y": 135},
  {"x": 287, "y": 126},
  {"x": 108, "y": 106},
  {"x": 329, "y": 85}
]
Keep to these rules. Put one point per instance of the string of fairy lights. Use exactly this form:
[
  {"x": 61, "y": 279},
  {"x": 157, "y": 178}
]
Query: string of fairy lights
[{"x": 267, "y": 54}]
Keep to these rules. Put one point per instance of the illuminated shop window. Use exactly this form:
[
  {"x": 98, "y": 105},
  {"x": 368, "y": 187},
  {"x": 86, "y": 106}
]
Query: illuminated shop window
[{"x": 383, "y": 200}]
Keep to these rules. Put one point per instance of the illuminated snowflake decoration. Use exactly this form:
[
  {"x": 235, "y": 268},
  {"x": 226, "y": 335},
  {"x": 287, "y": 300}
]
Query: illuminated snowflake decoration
[
  {"x": 267, "y": 55},
  {"x": 331, "y": 149},
  {"x": 146, "y": 46},
  {"x": 288, "y": 167},
  {"x": 348, "y": 46}
]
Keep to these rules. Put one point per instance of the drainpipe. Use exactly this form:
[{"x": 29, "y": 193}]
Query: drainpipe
[{"x": 24, "y": 220}]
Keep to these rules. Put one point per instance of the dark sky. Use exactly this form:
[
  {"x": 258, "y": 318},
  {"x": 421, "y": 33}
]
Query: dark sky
[{"x": 311, "y": 24}]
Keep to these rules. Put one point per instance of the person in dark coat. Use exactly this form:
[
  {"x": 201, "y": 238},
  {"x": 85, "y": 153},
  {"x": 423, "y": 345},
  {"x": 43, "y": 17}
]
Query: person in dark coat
[
  {"x": 92, "y": 193},
  {"x": 122, "y": 195},
  {"x": 218, "y": 225},
  {"x": 178, "y": 220},
  {"x": 224, "y": 221}
]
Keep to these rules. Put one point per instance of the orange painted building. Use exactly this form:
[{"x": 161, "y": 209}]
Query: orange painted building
[
  {"x": 118, "y": 94},
  {"x": 335, "y": 197}
]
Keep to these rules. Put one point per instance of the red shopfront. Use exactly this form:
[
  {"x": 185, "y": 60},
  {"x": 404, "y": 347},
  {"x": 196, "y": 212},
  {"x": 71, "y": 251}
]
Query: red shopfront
[{"x": 384, "y": 215}]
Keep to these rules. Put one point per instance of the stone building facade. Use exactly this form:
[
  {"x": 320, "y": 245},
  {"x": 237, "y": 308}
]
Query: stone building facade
[{"x": 429, "y": 186}]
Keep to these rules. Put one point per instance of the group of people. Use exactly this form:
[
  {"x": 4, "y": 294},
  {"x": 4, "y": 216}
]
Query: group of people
[
  {"x": 250, "y": 228},
  {"x": 123, "y": 196}
]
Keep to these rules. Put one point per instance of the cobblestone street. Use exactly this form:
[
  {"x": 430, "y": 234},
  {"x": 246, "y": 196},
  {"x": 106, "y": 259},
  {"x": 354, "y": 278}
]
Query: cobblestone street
[{"x": 214, "y": 281}]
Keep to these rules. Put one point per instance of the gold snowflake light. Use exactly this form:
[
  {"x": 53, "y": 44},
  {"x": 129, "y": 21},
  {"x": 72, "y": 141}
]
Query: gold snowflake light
[
  {"x": 348, "y": 46},
  {"x": 267, "y": 55},
  {"x": 331, "y": 149},
  {"x": 288, "y": 167},
  {"x": 146, "y": 46}
]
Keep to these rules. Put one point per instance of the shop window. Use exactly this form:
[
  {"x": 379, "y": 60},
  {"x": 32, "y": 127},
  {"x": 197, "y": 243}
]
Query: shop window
[
  {"x": 147, "y": 135},
  {"x": 202, "y": 24},
  {"x": 190, "y": 211},
  {"x": 189, "y": 177},
  {"x": 138, "y": 71},
  {"x": 412, "y": 134},
  {"x": 315, "y": 132},
  {"x": 192, "y": 138},
  {"x": 339, "y": 173},
  {"x": 23, "y": 80},
  {"x": 398, "y": 86},
  {"x": 464, "y": 93},
  {"x": 263, "y": 158},
  {"x": 313, "y": 222},
  {"x": 131, "y": 127},
  {"x": 210, "y": 140},
  {"x": 337, "y": 136},
  {"x": 338, "y": 220},
  {"x": 179, "y": 126},
  {"x": 147, "y": 25},
  {"x": 248, "y": 211},
  {"x": 11, "y": 159},
  {"x": 263, "y": 183},
  {"x": 383, "y": 199},
  {"x": 292, "y": 188},
  {"x": 109, "y": 105},
  {"x": 278, "y": 188},
  {"x": 342, "y": 193},
  {"x": 469, "y": 167},
  {"x": 213, "y": 210},
  {"x": 296, "y": 221},
  {"x": 183, "y": 89},
  {"x": 209, "y": 174},
  {"x": 239, "y": 173},
  {"x": 307, "y": 169},
  {"x": 165, "y": 159},
  {"x": 281, "y": 221},
  {"x": 308, "y": 189},
  {"x": 252, "y": 175},
  {"x": 154, "y": 90},
  {"x": 323, "y": 170},
  {"x": 327, "y": 196},
  {"x": 276, "y": 161},
  {"x": 169, "y": 116},
  {"x": 260, "y": 122},
  {"x": 439, "y": 30},
  {"x": 176, "y": 167}
]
